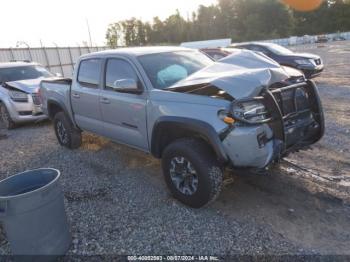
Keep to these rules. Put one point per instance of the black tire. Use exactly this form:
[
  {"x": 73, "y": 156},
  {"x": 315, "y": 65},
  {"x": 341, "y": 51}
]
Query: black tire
[
  {"x": 67, "y": 135},
  {"x": 209, "y": 174},
  {"x": 5, "y": 117}
]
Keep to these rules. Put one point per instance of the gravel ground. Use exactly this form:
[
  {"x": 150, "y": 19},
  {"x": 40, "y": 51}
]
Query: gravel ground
[
  {"x": 332, "y": 154},
  {"x": 117, "y": 202}
]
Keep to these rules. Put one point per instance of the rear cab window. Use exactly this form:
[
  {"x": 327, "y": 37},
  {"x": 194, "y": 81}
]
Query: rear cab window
[{"x": 90, "y": 72}]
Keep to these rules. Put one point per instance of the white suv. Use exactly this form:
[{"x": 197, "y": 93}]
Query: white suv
[{"x": 19, "y": 87}]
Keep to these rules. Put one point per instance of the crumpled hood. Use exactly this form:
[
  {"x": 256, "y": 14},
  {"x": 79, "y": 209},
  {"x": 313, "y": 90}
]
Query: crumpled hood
[
  {"x": 29, "y": 86},
  {"x": 240, "y": 75}
]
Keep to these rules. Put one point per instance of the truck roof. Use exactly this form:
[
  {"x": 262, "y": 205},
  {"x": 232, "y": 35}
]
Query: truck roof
[{"x": 138, "y": 51}]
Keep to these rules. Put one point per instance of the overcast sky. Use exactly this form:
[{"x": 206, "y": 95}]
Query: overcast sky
[{"x": 64, "y": 21}]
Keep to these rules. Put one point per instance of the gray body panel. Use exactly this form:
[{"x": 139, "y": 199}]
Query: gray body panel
[
  {"x": 86, "y": 106},
  {"x": 124, "y": 118},
  {"x": 131, "y": 118}
]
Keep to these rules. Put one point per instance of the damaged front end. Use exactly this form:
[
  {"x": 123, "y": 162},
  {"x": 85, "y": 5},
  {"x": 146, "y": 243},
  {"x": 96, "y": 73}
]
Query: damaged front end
[
  {"x": 282, "y": 119},
  {"x": 23, "y": 103},
  {"x": 274, "y": 109}
]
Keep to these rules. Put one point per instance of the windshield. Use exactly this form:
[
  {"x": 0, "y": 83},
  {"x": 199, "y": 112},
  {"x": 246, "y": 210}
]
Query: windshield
[
  {"x": 23, "y": 73},
  {"x": 165, "y": 69},
  {"x": 279, "y": 50}
]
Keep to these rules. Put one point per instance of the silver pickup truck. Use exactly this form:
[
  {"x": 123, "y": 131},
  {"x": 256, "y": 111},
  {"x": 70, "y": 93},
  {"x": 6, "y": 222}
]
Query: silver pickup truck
[{"x": 199, "y": 116}]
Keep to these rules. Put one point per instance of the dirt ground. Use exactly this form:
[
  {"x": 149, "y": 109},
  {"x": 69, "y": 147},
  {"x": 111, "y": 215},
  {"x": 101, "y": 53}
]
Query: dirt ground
[
  {"x": 330, "y": 158},
  {"x": 117, "y": 201}
]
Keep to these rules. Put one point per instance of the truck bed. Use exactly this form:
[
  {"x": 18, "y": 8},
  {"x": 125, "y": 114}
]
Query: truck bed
[
  {"x": 59, "y": 81},
  {"x": 56, "y": 91}
]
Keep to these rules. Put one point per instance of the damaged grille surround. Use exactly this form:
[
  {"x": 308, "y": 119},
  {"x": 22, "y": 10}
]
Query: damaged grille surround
[{"x": 294, "y": 113}]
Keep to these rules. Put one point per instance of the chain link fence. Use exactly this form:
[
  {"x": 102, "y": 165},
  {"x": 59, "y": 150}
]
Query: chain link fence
[
  {"x": 308, "y": 39},
  {"x": 56, "y": 59}
]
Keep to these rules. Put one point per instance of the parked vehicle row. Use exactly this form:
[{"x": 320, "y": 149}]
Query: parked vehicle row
[
  {"x": 311, "y": 65},
  {"x": 198, "y": 116}
]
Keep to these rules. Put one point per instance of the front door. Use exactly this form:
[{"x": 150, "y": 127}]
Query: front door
[{"x": 123, "y": 113}]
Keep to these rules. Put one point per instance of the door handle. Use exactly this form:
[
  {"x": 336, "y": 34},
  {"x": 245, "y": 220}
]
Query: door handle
[
  {"x": 105, "y": 100},
  {"x": 75, "y": 95}
]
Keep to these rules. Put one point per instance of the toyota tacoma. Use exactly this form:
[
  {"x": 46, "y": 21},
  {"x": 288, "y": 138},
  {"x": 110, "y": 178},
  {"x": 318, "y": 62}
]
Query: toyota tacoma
[{"x": 199, "y": 116}]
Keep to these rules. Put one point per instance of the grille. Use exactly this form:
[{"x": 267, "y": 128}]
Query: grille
[
  {"x": 36, "y": 99},
  {"x": 25, "y": 113},
  {"x": 292, "y": 99}
]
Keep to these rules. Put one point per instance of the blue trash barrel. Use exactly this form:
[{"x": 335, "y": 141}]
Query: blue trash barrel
[{"x": 33, "y": 215}]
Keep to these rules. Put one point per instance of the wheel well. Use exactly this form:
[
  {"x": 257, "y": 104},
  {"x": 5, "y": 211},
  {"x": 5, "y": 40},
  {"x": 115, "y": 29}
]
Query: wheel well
[
  {"x": 166, "y": 136},
  {"x": 53, "y": 109}
]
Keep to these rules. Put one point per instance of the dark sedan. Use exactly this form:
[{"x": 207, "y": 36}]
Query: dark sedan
[{"x": 311, "y": 65}]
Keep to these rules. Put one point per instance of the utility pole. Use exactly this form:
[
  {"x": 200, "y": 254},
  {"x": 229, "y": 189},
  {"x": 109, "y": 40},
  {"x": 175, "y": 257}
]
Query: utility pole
[{"x": 88, "y": 27}]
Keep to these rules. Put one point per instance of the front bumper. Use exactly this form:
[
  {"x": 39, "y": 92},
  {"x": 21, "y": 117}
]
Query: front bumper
[
  {"x": 311, "y": 71},
  {"x": 244, "y": 149},
  {"x": 21, "y": 112},
  {"x": 257, "y": 145}
]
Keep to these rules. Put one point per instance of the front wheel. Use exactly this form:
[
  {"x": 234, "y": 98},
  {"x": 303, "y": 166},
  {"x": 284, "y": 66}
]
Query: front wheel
[
  {"x": 5, "y": 117},
  {"x": 67, "y": 135},
  {"x": 192, "y": 172}
]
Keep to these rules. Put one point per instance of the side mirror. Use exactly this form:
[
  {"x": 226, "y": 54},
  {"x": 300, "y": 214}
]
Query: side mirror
[
  {"x": 126, "y": 86},
  {"x": 58, "y": 74}
]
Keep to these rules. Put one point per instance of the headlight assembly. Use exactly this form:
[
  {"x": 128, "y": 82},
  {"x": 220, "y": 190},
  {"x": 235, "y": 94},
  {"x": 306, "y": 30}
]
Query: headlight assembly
[
  {"x": 252, "y": 112},
  {"x": 18, "y": 96},
  {"x": 303, "y": 62}
]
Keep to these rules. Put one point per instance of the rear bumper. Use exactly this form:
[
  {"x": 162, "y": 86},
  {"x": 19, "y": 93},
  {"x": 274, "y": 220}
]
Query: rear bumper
[{"x": 254, "y": 145}]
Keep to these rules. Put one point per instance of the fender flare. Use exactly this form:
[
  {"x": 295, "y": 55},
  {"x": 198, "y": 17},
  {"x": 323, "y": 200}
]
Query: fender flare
[
  {"x": 193, "y": 125},
  {"x": 56, "y": 103}
]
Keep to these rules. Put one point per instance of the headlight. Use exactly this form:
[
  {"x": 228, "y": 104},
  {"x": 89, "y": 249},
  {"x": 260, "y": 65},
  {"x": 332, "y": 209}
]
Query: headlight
[
  {"x": 251, "y": 112},
  {"x": 303, "y": 62},
  {"x": 18, "y": 96}
]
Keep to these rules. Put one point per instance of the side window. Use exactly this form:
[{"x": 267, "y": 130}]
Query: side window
[
  {"x": 217, "y": 55},
  {"x": 248, "y": 47},
  {"x": 254, "y": 48},
  {"x": 89, "y": 72},
  {"x": 259, "y": 49},
  {"x": 118, "y": 69}
]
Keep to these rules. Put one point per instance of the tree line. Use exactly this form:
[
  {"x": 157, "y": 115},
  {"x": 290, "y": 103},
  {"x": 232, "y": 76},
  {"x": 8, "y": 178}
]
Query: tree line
[{"x": 240, "y": 20}]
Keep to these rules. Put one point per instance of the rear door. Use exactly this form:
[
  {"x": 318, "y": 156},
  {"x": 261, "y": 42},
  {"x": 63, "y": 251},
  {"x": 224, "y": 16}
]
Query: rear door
[
  {"x": 85, "y": 95},
  {"x": 124, "y": 114}
]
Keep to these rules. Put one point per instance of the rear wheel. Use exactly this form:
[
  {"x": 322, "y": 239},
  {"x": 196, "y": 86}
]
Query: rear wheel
[
  {"x": 5, "y": 117},
  {"x": 192, "y": 172},
  {"x": 67, "y": 135}
]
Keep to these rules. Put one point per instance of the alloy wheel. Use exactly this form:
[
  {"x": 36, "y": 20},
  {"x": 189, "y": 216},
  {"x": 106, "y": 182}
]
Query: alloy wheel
[
  {"x": 62, "y": 132},
  {"x": 183, "y": 175}
]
